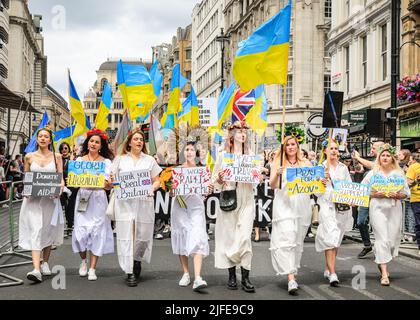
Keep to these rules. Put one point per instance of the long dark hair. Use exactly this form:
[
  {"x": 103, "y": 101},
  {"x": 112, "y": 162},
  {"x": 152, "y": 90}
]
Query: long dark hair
[
  {"x": 104, "y": 151},
  {"x": 51, "y": 146},
  {"x": 197, "y": 153}
]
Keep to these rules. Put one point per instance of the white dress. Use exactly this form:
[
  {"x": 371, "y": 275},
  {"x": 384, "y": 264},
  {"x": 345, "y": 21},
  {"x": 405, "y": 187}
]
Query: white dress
[
  {"x": 332, "y": 223},
  {"x": 92, "y": 229},
  {"x": 385, "y": 218},
  {"x": 41, "y": 222},
  {"x": 291, "y": 219},
  {"x": 233, "y": 229},
  {"x": 188, "y": 227},
  {"x": 134, "y": 218}
]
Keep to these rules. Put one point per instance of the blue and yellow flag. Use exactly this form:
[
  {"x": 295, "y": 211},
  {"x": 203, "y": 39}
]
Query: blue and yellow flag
[
  {"x": 225, "y": 104},
  {"x": 263, "y": 57},
  {"x": 156, "y": 77},
  {"x": 64, "y": 135},
  {"x": 190, "y": 113},
  {"x": 257, "y": 116},
  {"x": 101, "y": 121},
  {"x": 174, "y": 103},
  {"x": 137, "y": 89},
  {"x": 32, "y": 145},
  {"x": 76, "y": 110}
]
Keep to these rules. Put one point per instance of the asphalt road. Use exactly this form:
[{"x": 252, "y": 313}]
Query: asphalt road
[{"x": 359, "y": 278}]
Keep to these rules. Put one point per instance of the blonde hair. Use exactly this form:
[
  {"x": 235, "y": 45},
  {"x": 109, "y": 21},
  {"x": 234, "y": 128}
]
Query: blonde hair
[
  {"x": 299, "y": 157},
  {"x": 395, "y": 166}
]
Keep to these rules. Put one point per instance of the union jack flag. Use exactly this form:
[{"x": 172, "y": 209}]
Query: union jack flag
[{"x": 242, "y": 103}]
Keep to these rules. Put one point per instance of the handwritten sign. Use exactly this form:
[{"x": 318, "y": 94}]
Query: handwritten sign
[
  {"x": 305, "y": 180},
  {"x": 86, "y": 174},
  {"x": 42, "y": 184},
  {"x": 132, "y": 184},
  {"x": 351, "y": 193},
  {"x": 393, "y": 183},
  {"x": 194, "y": 180},
  {"x": 242, "y": 168}
]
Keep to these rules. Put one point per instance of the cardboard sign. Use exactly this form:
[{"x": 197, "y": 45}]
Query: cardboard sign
[
  {"x": 132, "y": 184},
  {"x": 393, "y": 183},
  {"x": 305, "y": 180},
  {"x": 351, "y": 193},
  {"x": 86, "y": 174},
  {"x": 340, "y": 135},
  {"x": 42, "y": 184},
  {"x": 242, "y": 168},
  {"x": 195, "y": 180}
]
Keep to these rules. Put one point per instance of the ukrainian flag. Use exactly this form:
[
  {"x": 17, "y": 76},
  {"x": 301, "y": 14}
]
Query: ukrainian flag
[
  {"x": 257, "y": 116},
  {"x": 136, "y": 87},
  {"x": 64, "y": 135},
  {"x": 101, "y": 121},
  {"x": 190, "y": 113},
  {"x": 168, "y": 120},
  {"x": 174, "y": 103},
  {"x": 225, "y": 104},
  {"x": 263, "y": 57},
  {"x": 156, "y": 77},
  {"x": 76, "y": 108}
]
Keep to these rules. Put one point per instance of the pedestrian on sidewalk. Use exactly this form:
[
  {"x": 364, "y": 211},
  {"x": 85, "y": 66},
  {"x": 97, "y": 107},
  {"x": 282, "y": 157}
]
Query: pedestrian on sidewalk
[
  {"x": 92, "y": 228},
  {"x": 41, "y": 222},
  {"x": 334, "y": 219},
  {"x": 363, "y": 212},
  {"x": 135, "y": 218},
  {"x": 386, "y": 209},
  {"x": 233, "y": 246},
  {"x": 291, "y": 215},
  {"x": 413, "y": 179},
  {"x": 189, "y": 236}
]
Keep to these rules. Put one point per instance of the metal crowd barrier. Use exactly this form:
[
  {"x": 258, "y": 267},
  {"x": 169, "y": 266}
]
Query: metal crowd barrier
[{"x": 9, "y": 233}]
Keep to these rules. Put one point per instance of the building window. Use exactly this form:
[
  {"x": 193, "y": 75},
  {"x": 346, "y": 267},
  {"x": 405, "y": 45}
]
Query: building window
[
  {"x": 3, "y": 71},
  {"x": 347, "y": 65},
  {"x": 347, "y": 7},
  {"x": 5, "y": 3},
  {"x": 327, "y": 83},
  {"x": 4, "y": 35},
  {"x": 327, "y": 9},
  {"x": 188, "y": 75},
  {"x": 289, "y": 91},
  {"x": 364, "y": 60},
  {"x": 384, "y": 44},
  {"x": 103, "y": 81},
  {"x": 188, "y": 54},
  {"x": 291, "y": 46}
]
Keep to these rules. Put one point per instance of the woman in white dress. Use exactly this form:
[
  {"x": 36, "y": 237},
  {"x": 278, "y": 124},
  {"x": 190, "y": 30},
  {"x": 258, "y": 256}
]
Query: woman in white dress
[
  {"x": 233, "y": 229},
  {"x": 332, "y": 222},
  {"x": 92, "y": 229},
  {"x": 291, "y": 215},
  {"x": 385, "y": 210},
  {"x": 41, "y": 222},
  {"x": 135, "y": 218},
  {"x": 188, "y": 227}
]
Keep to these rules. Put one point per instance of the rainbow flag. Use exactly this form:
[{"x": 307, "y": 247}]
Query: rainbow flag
[{"x": 263, "y": 57}]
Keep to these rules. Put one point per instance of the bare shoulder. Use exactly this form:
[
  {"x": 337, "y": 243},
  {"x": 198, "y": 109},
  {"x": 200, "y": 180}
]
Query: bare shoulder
[{"x": 58, "y": 156}]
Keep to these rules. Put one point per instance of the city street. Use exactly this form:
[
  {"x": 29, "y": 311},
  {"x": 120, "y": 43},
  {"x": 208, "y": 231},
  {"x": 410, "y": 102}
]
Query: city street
[{"x": 159, "y": 280}]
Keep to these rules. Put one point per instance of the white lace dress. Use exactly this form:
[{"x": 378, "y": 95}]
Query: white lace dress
[
  {"x": 41, "y": 222},
  {"x": 92, "y": 229}
]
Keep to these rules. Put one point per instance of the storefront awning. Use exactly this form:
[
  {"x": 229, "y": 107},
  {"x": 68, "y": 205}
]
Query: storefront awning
[{"x": 10, "y": 100}]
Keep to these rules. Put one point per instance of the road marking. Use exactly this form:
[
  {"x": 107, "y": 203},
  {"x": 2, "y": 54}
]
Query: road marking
[
  {"x": 326, "y": 288},
  {"x": 368, "y": 294},
  {"x": 402, "y": 290},
  {"x": 344, "y": 259},
  {"x": 315, "y": 295}
]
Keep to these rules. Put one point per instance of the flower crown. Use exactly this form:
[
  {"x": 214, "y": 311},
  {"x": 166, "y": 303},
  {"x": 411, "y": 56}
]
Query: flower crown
[
  {"x": 387, "y": 147},
  {"x": 48, "y": 129},
  {"x": 238, "y": 125},
  {"x": 296, "y": 133},
  {"x": 98, "y": 132}
]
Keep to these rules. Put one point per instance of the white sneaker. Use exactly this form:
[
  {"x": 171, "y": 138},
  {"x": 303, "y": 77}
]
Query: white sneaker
[
  {"x": 35, "y": 275},
  {"x": 185, "y": 280},
  {"x": 334, "y": 280},
  {"x": 327, "y": 274},
  {"x": 310, "y": 235},
  {"x": 199, "y": 284},
  {"x": 45, "y": 269},
  {"x": 292, "y": 287},
  {"x": 159, "y": 236},
  {"x": 91, "y": 275},
  {"x": 83, "y": 269}
]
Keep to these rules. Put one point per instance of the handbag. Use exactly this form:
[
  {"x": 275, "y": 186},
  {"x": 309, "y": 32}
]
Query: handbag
[
  {"x": 342, "y": 207},
  {"x": 110, "y": 210},
  {"x": 228, "y": 200}
]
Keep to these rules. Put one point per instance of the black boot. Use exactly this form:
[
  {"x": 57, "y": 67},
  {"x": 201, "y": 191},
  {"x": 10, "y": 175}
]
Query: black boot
[
  {"x": 232, "y": 284},
  {"x": 137, "y": 269},
  {"x": 247, "y": 286},
  {"x": 131, "y": 280}
]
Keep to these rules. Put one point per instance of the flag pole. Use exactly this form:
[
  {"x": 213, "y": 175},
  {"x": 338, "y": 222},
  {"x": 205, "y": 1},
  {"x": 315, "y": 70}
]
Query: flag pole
[
  {"x": 70, "y": 118},
  {"x": 282, "y": 134}
]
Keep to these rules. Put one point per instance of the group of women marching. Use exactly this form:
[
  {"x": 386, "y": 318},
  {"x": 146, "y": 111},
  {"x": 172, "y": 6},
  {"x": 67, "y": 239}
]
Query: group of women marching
[{"x": 42, "y": 223}]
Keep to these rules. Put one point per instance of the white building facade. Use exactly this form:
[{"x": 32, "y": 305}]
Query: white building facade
[{"x": 207, "y": 21}]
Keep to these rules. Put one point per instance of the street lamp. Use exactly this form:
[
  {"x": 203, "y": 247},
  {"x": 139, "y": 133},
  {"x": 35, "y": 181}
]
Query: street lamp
[
  {"x": 222, "y": 39},
  {"x": 30, "y": 93},
  {"x": 395, "y": 65}
]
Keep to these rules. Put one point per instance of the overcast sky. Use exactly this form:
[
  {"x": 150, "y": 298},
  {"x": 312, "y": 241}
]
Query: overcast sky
[{"x": 81, "y": 34}]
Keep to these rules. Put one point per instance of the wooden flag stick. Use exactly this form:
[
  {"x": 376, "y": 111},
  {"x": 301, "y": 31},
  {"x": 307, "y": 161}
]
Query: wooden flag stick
[{"x": 282, "y": 135}]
